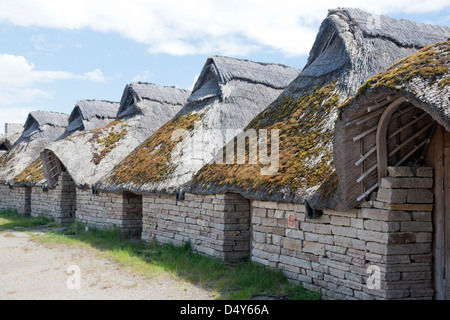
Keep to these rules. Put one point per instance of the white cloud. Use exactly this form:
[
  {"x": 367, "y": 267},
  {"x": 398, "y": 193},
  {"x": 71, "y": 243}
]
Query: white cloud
[
  {"x": 144, "y": 77},
  {"x": 13, "y": 115},
  {"x": 201, "y": 26},
  {"x": 96, "y": 76},
  {"x": 20, "y": 80}
]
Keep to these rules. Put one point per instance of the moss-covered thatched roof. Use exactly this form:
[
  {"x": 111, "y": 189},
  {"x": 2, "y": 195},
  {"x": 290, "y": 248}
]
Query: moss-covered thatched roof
[
  {"x": 41, "y": 129},
  {"x": 422, "y": 80},
  {"x": 346, "y": 53},
  {"x": 227, "y": 95},
  {"x": 91, "y": 114},
  {"x": 89, "y": 155}
]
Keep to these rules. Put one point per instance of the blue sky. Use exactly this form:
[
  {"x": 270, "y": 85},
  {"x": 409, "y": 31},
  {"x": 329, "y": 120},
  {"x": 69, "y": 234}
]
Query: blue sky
[{"x": 53, "y": 53}]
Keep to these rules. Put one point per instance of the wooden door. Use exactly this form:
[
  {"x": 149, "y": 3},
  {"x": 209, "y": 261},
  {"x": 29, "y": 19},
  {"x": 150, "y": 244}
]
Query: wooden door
[
  {"x": 446, "y": 187},
  {"x": 438, "y": 157}
]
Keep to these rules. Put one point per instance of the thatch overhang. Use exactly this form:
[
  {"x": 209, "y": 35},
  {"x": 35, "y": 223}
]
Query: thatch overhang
[
  {"x": 143, "y": 97},
  {"x": 91, "y": 114},
  {"x": 40, "y": 129},
  {"x": 86, "y": 115},
  {"x": 13, "y": 131},
  {"x": 390, "y": 122},
  {"x": 227, "y": 95},
  {"x": 346, "y": 53},
  {"x": 89, "y": 155}
]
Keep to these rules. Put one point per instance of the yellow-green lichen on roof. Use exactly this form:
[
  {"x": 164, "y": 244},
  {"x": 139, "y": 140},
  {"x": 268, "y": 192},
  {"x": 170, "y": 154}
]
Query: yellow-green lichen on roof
[
  {"x": 305, "y": 146},
  {"x": 344, "y": 56},
  {"x": 151, "y": 160},
  {"x": 32, "y": 175},
  {"x": 107, "y": 139},
  {"x": 429, "y": 64},
  {"x": 422, "y": 81}
]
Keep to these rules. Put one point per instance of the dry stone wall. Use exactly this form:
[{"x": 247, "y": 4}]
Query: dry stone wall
[
  {"x": 216, "y": 225},
  {"x": 106, "y": 210},
  {"x": 58, "y": 203},
  {"x": 379, "y": 251},
  {"x": 15, "y": 198}
]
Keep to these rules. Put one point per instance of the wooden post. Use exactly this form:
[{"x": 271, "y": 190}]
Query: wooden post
[{"x": 381, "y": 138}]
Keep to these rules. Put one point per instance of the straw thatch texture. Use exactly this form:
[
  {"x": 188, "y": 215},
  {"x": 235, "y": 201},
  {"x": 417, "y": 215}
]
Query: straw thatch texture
[
  {"x": 87, "y": 115},
  {"x": 13, "y": 132},
  {"x": 89, "y": 155},
  {"x": 227, "y": 95},
  {"x": 139, "y": 97},
  {"x": 91, "y": 114},
  {"x": 351, "y": 46},
  {"x": 41, "y": 129},
  {"x": 423, "y": 81}
]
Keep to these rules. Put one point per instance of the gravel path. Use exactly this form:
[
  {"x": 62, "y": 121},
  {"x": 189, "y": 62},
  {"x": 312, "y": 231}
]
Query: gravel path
[{"x": 35, "y": 271}]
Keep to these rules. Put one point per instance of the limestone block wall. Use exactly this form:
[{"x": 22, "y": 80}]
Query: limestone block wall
[
  {"x": 216, "y": 225},
  {"x": 15, "y": 198},
  {"x": 58, "y": 203},
  {"x": 379, "y": 251},
  {"x": 110, "y": 210}
]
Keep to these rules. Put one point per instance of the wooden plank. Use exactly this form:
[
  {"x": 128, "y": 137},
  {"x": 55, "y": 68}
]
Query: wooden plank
[
  {"x": 368, "y": 192},
  {"x": 439, "y": 216},
  {"x": 365, "y": 174},
  {"x": 409, "y": 154},
  {"x": 446, "y": 139},
  {"x": 404, "y": 143},
  {"x": 364, "y": 157},
  {"x": 393, "y": 134},
  {"x": 365, "y": 133},
  {"x": 365, "y": 118},
  {"x": 382, "y": 138},
  {"x": 446, "y": 187}
]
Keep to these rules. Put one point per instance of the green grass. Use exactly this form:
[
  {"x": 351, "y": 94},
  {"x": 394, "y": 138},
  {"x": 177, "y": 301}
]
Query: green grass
[
  {"x": 230, "y": 281},
  {"x": 10, "y": 219}
]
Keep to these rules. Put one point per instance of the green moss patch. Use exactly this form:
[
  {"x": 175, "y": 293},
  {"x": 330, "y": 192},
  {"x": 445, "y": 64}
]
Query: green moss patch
[
  {"x": 151, "y": 160},
  {"x": 108, "y": 138},
  {"x": 306, "y": 156},
  {"x": 32, "y": 174}
]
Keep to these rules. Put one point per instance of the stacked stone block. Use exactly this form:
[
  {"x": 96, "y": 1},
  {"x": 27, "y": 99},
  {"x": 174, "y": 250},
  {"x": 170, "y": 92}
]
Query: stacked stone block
[
  {"x": 379, "y": 251},
  {"x": 58, "y": 203},
  {"x": 15, "y": 198},
  {"x": 216, "y": 225},
  {"x": 106, "y": 210}
]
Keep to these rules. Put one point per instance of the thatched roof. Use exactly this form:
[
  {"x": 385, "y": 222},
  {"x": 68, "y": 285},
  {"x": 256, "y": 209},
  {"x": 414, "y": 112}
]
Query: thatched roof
[
  {"x": 41, "y": 128},
  {"x": 91, "y": 114},
  {"x": 89, "y": 155},
  {"x": 138, "y": 97},
  {"x": 13, "y": 131},
  {"x": 87, "y": 115},
  {"x": 345, "y": 54},
  {"x": 422, "y": 81},
  {"x": 227, "y": 95}
]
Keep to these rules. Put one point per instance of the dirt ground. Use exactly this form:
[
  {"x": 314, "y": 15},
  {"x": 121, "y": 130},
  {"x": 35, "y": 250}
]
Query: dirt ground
[{"x": 33, "y": 271}]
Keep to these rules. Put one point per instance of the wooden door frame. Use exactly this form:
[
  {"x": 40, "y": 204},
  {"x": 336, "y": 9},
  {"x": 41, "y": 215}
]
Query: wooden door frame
[{"x": 439, "y": 223}]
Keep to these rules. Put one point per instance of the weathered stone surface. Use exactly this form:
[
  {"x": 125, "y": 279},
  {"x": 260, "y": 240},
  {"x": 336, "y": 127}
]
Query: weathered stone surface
[
  {"x": 314, "y": 248},
  {"x": 422, "y": 196},
  {"x": 400, "y": 172},
  {"x": 424, "y": 172},
  {"x": 392, "y": 195},
  {"x": 406, "y": 183}
]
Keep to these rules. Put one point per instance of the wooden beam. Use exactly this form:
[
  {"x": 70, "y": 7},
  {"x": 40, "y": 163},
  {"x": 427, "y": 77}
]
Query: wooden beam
[
  {"x": 365, "y": 174},
  {"x": 365, "y": 133},
  {"x": 381, "y": 140},
  {"x": 368, "y": 192},
  {"x": 364, "y": 157},
  {"x": 365, "y": 118},
  {"x": 393, "y": 134},
  {"x": 411, "y": 152},
  {"x": 404, "y": 143}
]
